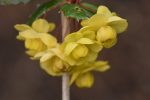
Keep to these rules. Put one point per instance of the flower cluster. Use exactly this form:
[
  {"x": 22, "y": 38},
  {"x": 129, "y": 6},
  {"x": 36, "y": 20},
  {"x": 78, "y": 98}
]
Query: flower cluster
[{"x": 78, "y": 53}]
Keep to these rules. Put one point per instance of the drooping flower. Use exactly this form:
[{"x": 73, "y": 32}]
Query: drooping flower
[
  {"x": 80, "y": 47},
  {"x": 36, "y": 37},
  {"x": 104, "y": 17},
  {"x": 82, "y": 74},
  {"x": 106, "y": 26},
  {"x": 52, "y": 61},
  {"x": 39, "y": 26},
  {"x": 107, "y": 36},
  {"x": 85, "y": 80}
]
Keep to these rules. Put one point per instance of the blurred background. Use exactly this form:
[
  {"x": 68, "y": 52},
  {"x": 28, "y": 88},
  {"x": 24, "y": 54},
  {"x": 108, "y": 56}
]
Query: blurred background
[{"x": 128, "y": 78}]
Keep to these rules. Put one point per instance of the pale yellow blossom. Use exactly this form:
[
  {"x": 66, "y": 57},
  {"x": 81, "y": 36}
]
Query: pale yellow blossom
[
  {"x": 82, "y": 74},
  {"x": 36, "y": 37},
  {"x": 78, "y": 48},
  {"x": 104, "y": 17}
]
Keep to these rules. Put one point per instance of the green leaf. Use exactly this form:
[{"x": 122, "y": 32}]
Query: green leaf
[
  {"x": 42, "y": 9},
  {"x": 75, "y": 11},
  {"x": 89, "y": 7},
  {"x": 8, "y": 2}
]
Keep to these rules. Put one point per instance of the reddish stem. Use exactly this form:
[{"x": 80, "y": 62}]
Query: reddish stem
[
  {"x": 92, "y": 10},
  {"x": 73, "y": 1}
]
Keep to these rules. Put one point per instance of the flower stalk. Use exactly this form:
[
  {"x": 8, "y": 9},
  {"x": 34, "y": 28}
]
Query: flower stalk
[
  {"x": 65, "y": 78},
  {"x": 73, "y": 1}
]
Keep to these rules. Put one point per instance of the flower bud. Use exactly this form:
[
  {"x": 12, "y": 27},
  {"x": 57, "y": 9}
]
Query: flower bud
[
  {"x": 58, "y": 65},
  {"x": 41, "y": 25},
  {"x": 106, "y": 35},
  {"x": 85, "y": 80},
  {"x": 80, "y": 51},
  {"x": 34, "y": 44}
]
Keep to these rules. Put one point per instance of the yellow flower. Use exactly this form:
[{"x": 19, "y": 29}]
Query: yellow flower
[
  {"x": 85, "y": 80},
  {"x": 52, "y": 61},
  {"x": 82, "y": 74},
  {"x": 42, "y": 26},
  {"x": 39, "y": 26},
  {"x": 107, "y": 36},
  {"x": 106, "y": 26},
  {"x": 79, "y": 48},
  {"x": 35, "y": 42},
  {"x": 119, "y": 24},
  {"x": 104, "y": 17},
  {"x": 36, "y": 37}
]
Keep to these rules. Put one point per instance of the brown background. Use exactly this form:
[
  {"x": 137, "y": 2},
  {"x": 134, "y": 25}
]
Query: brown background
[{"x": 128, "y": 79}]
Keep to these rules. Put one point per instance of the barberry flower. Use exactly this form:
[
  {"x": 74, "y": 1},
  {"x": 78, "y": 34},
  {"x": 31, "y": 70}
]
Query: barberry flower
[
  {"x": 85, "y": 80},
  {"x": 36, "y": 37},
  {"x": 82, "y": 74},
  {"x": 106, "y": 26},
  {"x": 78, "y": 48},
  {"x": 104, "y": 17},
  {"x": 52, "y": 61},
  {"x": 39, "y": 26},
  {"x": 107, "y": 36}
]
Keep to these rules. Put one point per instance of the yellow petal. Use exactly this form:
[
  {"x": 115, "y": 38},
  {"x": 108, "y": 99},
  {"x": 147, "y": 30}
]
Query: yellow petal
[
  {"x": 80, "y": 51},
  {"x": 29, "y": 34},
  {"x": 96, "y": 47},
  {"x": 46, "y": 56},
  {"x": 101, "y": 66},
  {"x": 49, "y": 40},
  {"x": 104, "y": 11},
  {"x": 92, "y": 56},
  {"x": 34, "y": 44},
  {"x": 28, "y": 43},
  {"x": 48, "y": 67},
  {"x": 20, "y": 37},
  {"x": 97, "y": 21},
  {"x": 86, "y": 29},
  {"x": 22, "y": 27},
  {"x": 51, "y": 27},
  {"x": 85, "y": 22},
  {"x": 85, "y": 80},
  {"x": 58, "y": 52},
  {"x": 85, "y": 41},
  {"x": 70, "y": 47},
  {"x": 41, "y": 25},
  {"x": 73, "y": 37},
  {"x": 114, "y": 14},
  {"x": 38, "y": 55},
  {"x": 81, "y": 61},
  {"x": 106, "y": 33},
  {"x": 70, "y": 60},
  {"x": 74, "y": 77},
  {"x": 87, "y": 33},
  {"x": 119, "y": 24},
  {"x": 63, "y": 46},
  {"x": 78, "y": 69},
  {"x": 58, "y": 65},
  {"x": 110, "y": 43},
  {"x": 31, "y": 52}
]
